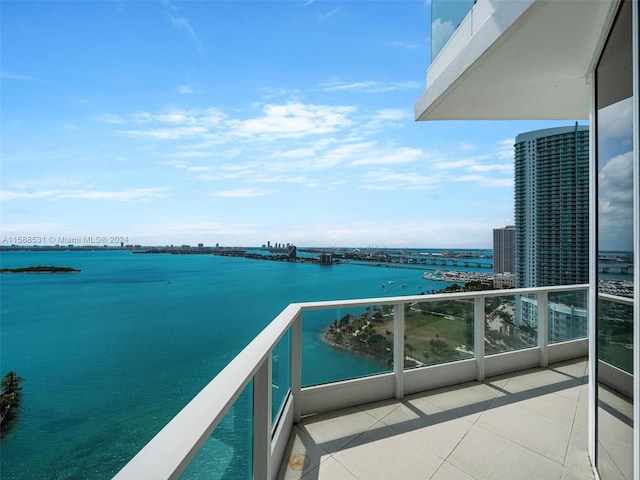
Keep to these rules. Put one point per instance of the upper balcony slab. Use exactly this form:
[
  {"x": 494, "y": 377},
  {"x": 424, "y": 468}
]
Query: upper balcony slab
[{"x": 518, "y": 59}]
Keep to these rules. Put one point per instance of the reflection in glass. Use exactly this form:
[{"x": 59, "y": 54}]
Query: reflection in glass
[
  {"x": 615, "y": 267},
  {"x": 615, "y": 334},
  {"x": 615, "y": 434},
  {"x": 445, "y": 19},
  {"x": 615, "y": 199},
  {"x": 567, "y": 316}
]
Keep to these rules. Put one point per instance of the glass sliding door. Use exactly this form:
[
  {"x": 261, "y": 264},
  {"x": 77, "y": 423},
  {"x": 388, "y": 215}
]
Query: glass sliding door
[{"x": 616, "y": 256}]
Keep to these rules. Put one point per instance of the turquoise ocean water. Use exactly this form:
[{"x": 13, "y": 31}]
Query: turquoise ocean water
[{"x": 111, "y": 354}]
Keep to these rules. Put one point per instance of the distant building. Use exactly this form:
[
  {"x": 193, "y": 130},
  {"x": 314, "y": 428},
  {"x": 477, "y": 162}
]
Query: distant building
[
  {"x": 504, "y": 280},
  {"x": 552, "y": 207},
  {"x": 504, "y": 253},
  {"x": 326, "y": 258},
  {"x": 564, "y": 321}
]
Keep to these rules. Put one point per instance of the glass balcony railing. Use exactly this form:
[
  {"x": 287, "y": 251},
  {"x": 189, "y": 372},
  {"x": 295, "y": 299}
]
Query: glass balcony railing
[
  {"x": 238, "y": 425},
  {"x": 438, "y": 332},
  {"x": 511, "y": 323},
  {"x": 446, "y": 16}
]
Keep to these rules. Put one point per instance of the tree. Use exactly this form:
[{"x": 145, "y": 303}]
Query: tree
[{"x": 10, "y": 396}]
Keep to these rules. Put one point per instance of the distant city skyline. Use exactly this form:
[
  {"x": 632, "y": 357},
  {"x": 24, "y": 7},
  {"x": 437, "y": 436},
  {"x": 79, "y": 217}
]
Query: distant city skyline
[{"x": 234, "y": 122}]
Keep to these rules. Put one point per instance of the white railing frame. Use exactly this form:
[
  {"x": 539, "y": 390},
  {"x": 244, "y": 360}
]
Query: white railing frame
[{"x": 169, "y": 453}]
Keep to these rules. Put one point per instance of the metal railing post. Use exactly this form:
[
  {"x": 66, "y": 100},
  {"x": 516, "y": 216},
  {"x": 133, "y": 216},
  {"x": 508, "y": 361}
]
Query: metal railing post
[
  {"x": 296, "y": 366},
  {"x": 398, "y": 349},
  {"x": 478, "y": 336},
  {"x": 543, "y": 328}
]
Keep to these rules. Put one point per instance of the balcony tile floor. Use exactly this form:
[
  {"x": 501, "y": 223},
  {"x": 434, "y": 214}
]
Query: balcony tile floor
[{"x": 526, "y": 425}]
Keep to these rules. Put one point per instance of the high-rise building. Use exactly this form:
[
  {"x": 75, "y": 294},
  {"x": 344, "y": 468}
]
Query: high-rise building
[
  {"x": 504, "y": 249},
  {"x": 552, "y": 207}
]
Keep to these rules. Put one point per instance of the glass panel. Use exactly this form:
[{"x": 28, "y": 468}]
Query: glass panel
[
  {"x": 228, "y": 452},
  {"x": 281, "y": 377},
  {"x": 615, "y": 334},
  {"x": 346, "y": 343},
  {"x": 567, "y": 316},
  {"x": 511, "y": 323},
  {"x": 438, "y": 332},
  {"x": 615, "y": 317},
  {"x": 446, "y": 16}
]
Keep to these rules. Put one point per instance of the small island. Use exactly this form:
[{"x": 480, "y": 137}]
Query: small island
[{"x": 40, "y": 269}]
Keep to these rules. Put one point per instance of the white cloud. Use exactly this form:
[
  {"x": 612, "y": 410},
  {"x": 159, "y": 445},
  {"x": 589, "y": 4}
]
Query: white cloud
[
  {"x": 294, "y": 120},
  {"x": 243, "y": 193},
  {"x": 317, "y": 146},
  {"x": 409, "y": 45},
  {"x": 184, "y": 24},
  {"x": 41, "y": 182},
  {"x": 186, "y": 90},
  {"x": 167, "y": 133},
  {"x": 370, "y": 86},
  {"x": 111, "y": 118},
  {"x": 19, "y": 77},
  {"x": 416, "y": 232},
  {"x": 615, "y": 179},
  {"x": 394, "y": 156},
  {"x": 127, "y": 195},
  {"x": 483, "y": 180},
  {"x": 392, "y": 180},
  {"x": 495, "y": 167},
  {"x": 331, "y": 13},
  {"x": 505, "y": 150},
  {"x": 440, "y": 33},
  {"x": 615, "y": 204},
  {"x": 616, "y": 120},
  {"x": 195, "y": 232}
]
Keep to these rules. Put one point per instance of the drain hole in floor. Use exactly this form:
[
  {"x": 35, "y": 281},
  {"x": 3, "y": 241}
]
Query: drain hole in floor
[{"x": 298, "y": 461}]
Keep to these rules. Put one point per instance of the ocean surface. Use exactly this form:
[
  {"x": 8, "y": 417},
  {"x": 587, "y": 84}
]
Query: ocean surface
[{"x": 109, "y": 355}]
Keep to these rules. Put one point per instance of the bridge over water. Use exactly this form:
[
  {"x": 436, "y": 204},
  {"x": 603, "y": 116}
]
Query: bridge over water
[
  {"x": 615, "y": 268},
  {"x": 456, "y": 262}
]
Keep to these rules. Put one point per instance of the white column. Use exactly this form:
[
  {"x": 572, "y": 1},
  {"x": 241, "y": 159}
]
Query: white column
[
  {"x": 398, "y": 349},
  {"x": 296, "y": 366},
  {"x": 262, "y": 421},
  {"x": 478, "y": 336},
  {"x": 543, "y": 328}
]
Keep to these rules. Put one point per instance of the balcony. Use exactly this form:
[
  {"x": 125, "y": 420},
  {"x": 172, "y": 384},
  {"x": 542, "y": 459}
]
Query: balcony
[
  {"x": 468, "y": 385},
  {"x": 532, "y": 422},
  {"x": 496, "y": 63}
]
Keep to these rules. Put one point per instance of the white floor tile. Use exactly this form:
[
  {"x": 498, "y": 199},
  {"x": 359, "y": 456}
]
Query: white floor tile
[
  {"x": 530, "y": 425},
  {"x": 485, "y": 455}
]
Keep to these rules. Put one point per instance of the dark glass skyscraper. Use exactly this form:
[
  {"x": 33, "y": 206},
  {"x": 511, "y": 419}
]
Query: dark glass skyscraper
[{"x": 504, "y": 249}]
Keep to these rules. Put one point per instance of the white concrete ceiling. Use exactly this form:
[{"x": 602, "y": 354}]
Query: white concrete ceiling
[{"x": 525, "y": 60}]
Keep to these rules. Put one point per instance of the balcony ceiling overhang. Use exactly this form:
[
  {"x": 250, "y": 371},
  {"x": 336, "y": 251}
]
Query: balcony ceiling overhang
[{"x": 523, "y": 60}]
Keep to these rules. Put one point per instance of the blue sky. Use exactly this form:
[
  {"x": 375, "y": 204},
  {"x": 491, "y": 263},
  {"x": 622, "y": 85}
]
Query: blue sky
[{"x": 239, "y": 123}]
